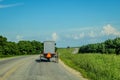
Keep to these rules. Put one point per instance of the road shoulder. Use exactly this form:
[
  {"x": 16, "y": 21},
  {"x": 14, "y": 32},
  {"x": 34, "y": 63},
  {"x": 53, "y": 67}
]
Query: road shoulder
[{"x": 74, "y": 72}]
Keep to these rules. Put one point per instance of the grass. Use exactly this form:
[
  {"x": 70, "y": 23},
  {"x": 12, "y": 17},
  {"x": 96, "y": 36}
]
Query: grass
[
  {"x": 5, "y": 56},
  {"x": 9, "y": 56},
  {"x": 93, "y": 66}
]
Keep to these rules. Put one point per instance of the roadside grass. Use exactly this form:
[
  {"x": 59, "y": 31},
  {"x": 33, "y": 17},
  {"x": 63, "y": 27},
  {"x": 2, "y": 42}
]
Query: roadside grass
[
  {"x": 93, "y": 66},
  {"x": 6, "y": 56},
  {"x": 10, "y": 56}
]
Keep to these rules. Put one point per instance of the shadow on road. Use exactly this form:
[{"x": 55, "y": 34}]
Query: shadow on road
[{"x": 42, "y": 60}]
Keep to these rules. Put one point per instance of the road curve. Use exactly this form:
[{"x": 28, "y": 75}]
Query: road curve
[{"x": 30, "y": 68}]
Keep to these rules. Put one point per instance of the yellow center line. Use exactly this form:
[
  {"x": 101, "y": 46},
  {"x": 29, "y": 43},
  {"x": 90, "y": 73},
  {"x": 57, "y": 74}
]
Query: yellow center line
[{"x": 12, "y": 70}]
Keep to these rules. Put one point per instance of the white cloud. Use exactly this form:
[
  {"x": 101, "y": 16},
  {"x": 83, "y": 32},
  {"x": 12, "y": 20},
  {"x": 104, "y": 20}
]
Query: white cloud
[
  {"x": 80, "y": 29},
  {"x": 88, "y": 35},
  {"x": 92, "y": 34},
  {"x": 110, "y": 30},
  {"x": 55, "y": 36},
  {"x": 10, "y": 5},
  {"x": 76, "y": 37},
  {"x": 19, "y": 37},
  {"x": 82, "y": 35},
  {"x": 67, "y": 36}
]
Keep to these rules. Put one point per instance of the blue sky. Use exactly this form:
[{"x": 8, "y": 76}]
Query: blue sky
[{"x": 68, "y": 22}]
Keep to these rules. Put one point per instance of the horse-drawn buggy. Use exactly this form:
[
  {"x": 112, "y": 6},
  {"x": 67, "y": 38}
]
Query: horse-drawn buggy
[{"x": 49, "y": 51}]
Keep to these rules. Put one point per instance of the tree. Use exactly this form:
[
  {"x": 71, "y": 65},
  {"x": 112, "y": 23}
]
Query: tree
[
  {"x": 102, "y": 48},
  {"x": 13, "y": 48},
  {"x": 117, "y": 47},
  {"x": 25, "y": 47},
  {"x": 30, "y": 47},
  {"x": 3, "y": 40},
  {"x": 109, "y": 46},
  {"x": 109, "y": 43},
  {"x": 37, "y": 47},
  {"x": 1, "y": 50},
  {"x": 22, "y": 47}
]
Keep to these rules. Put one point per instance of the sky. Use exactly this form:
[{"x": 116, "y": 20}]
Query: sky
[{"x": 68, "y": 22}]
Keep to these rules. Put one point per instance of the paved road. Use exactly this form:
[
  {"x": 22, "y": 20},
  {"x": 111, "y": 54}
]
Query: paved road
[{"x": 30, "y": 68}]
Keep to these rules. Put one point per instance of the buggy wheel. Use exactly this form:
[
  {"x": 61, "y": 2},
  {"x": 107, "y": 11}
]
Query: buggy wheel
[
  {"x": 48, "y": 59},
  {"x": 56, "y": 58},
  {"x": 40, "y": 57}
]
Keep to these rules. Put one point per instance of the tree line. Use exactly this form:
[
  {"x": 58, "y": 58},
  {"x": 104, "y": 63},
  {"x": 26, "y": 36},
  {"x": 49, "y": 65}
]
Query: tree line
[
  {"x": 8, "y": 48},
  {"x": 110, "y": 46}
]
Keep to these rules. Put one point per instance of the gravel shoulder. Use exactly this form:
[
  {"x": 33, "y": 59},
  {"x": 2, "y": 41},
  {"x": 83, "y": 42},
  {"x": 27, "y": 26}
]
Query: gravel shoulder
[{"x": 72, "y": 71}]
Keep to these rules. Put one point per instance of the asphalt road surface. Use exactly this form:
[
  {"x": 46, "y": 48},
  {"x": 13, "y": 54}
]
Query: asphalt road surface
[{"x": 30, "y": 68}]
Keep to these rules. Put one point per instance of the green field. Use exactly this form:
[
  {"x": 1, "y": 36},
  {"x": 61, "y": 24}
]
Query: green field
[{"x": 93, "y": 66}]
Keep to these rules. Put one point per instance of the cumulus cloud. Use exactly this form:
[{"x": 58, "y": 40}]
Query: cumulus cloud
[
  {"x": 76, "y": 37},
  {"x": 110, "y": 30},
  {"x": 92, "y": 34},
  {"x": 19, "y": 37},
  {"x": 86, "y": 36},
  {"x": 55, "y": 36},
  {"x": 10, "y": 5}
]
